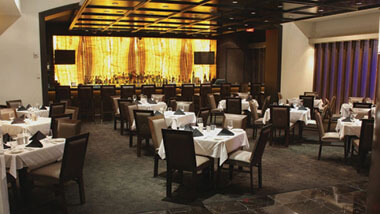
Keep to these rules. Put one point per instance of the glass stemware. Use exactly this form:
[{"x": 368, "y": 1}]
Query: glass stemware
[{"x": 230, "y": 124}]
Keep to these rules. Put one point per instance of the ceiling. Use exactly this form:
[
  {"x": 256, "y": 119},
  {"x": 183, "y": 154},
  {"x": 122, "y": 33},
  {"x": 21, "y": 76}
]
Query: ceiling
[{"x": 200, "y": 17}]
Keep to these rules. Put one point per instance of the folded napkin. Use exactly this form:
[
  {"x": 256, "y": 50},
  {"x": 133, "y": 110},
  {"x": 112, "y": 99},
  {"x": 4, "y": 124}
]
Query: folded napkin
[
  {"x": 21, "y": 108},
  {"x": 6, "y": 138},
  {"x": 188, "y": 127},
  {"x": 179, "y": 112},
  {"x": 38, "y": 136},
  {"x": 347, "y": 119},
  {"x": 18, "y": 120},
  {"x": 28, "y": 106},
  {"x": 150, "y": 101},
  {"x": 302, "y": 108},
  {"x": 225, "y": 132},
  {"x": 157, "y": 113},
  {"x": 197, "y": 133},
  {"x": 43, "y": 108},
  {"x": 35, "y": 143}
]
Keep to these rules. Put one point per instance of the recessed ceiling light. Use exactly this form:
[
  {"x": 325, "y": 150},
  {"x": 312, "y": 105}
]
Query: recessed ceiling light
[
  {"x": 231, "y": 18},
  {"x": 253, "y": 12},
  {"x": 359, "y": 3},
  {"x": 229, "y": 28},
  {"x": 321, "y": 10},
  {"x": 234, "y": 2},
  {"x": 279, "y": 6},
  {"x": 266, "y": 21}
]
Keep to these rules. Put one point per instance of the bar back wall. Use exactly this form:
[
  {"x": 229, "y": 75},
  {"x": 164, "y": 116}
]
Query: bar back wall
[{"x": 103, "y": 60}]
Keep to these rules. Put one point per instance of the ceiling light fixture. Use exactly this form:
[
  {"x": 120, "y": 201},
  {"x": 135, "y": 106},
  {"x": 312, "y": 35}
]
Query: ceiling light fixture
[
  {"x": 279, "y": 6},
  {"x": 321, "y": 10},
  {"x": 266, "y": 21},
  {"x": 231, "y": 18},
  {"x": 359, "y": 3},
  {"x": 253, "y": 12},
  {"x": 229, "y": 28},
  {"x": 234, "y": 2}
]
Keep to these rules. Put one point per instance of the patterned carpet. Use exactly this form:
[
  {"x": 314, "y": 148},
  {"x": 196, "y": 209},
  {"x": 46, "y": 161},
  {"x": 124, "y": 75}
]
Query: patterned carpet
[{"x": 116, "y": 181}]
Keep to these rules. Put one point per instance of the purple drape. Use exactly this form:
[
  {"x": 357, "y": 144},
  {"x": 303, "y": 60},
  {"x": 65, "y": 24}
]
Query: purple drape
[{"x": 345, "y": 69}]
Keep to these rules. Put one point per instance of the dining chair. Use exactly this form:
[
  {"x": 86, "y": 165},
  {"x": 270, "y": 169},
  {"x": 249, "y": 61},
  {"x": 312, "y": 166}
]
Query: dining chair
[
  {"x": 187, "y": 92},
  {"x": 69, "y": 169},
  {"x": 308, "y": 102},
  {"x": 63, "y": 93},
  {"x": 14, "y": 103},
  {"x": 205, "y": 90},
  {"x": 169, "y": 91},
  {"x": 196, "y": 104},
  {"x": 326, "y": 137},
  {"x": 123, "y": 114},
  {"x": 116, "y": 110},
  {"x": 214, "y": 110},
  {"x": 7, "y": 113},
  {"x": 355, "y": 99},
  {"x": 131, "y": 119},
  {"x": 257, "y": 122},
  {"x": 256, "y": 90},
  {"x": 243, "y": 158},
  {"x": 173, "y": 104},
  {"x": 280, "y": 119},
  {"x": 233, "y": 105},
  {"x": 106, "y": 93},
  {"x": 333, "y": 118},
  {"x": 180, "y": 155},
  {"x": 244, "y": 87},
  {"x": 264, "y": 107},
  {"x": 362, "y": 105},
  {"x": 54, "y": 122},
  {"x": 68, "y": 128},
  {"x": 86, "y": 101},
  {"x": 204, "y": 114},
  {"x": 148, "y": 90},
  {"x": 362, "y": 146},
  {"x": 57, "y": 109},
  {"x": 225, "y": 90},
  {"x": 142, "y": 127},
  {"x": 156, "y": 124},
  {"x": 73, "y": 110},
  {"x": 238, "y": 120},
  {"x": 127, "y": 91}
]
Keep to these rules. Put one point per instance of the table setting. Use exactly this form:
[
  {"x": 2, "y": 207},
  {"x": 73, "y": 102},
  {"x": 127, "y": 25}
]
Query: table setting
[
  {"x": 19, "y": 125},
  {"x": 30, "y": 111},
  {"x": 214, "y": 142},
  {"x": 348, "y": 126},
  {"x": 298, "y": 113},
  {"x": 347, "y": 108},
  {"x": 318, "y": 103},
  {"x": 149, "y": 104},
  {"x": 31, "y": 152}
]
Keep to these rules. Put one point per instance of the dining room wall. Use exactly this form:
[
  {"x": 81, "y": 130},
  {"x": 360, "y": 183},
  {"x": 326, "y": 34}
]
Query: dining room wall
[
  {"x": 20, "y": 73},
  {"x": 297, "y": 67}
]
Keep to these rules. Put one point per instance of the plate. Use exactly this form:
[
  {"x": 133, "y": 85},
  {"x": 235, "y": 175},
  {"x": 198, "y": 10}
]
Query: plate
[
  {"x": 17, "y": 151},
  {"x": 219, "y": 138}
]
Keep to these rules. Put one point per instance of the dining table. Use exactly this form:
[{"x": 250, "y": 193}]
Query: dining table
[
  {"x": 181, "y": 120},
  {"x": 296, "y": 114},
  {"x": 318, "y": 103},
  {"x": 30, "y": 111},
  {"x": 42, "y": 124},
  {"x": 348, "y": 129},
  {"x": 244, "y": 104},
  {"x": 156, "y": 106},
  {"x": 214, "y": 146},
  {"x": 347, "y": 108},
  {"x": 4, "y": 200}
]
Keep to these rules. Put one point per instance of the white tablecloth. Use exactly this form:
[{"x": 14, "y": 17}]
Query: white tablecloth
[
  {"x": 318, "y": 103},
  {"x": 244, "y": 104},
  {"x": 4, "y": 202},
  {"x": 155, "y": 107},
  {"x": 33, "y": 157},
  {"x": 40, "y": 113},
  {"x": 295, "y": 115},
  {"x": 216, "y": 146},
  {"x": 42, "y": 125},
  {"x": 345, "y": 110},
  {"x": 348, "y": 128},
  {"x": 189, "y": 117}
]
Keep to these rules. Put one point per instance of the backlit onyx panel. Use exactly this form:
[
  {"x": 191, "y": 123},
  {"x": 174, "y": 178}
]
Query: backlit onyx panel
[{"x": 130, "y": 60}]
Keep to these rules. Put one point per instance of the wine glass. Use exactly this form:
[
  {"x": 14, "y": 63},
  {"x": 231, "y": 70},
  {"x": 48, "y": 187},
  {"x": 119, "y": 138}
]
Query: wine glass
[
  {"x": 200, "y": 123},
  {"x": 182, "y": 108},
  {"x": 50, "y": 134},
  {"x": 134, "y": 98},
  {"x": 230, "y": 124}
]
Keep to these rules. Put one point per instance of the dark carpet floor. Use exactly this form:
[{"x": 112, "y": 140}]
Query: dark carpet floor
[{"x": 116, "y": 181}]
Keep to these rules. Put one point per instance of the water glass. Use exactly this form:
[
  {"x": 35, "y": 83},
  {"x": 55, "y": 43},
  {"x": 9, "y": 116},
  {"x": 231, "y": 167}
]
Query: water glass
[
  {"x": 230, "y": 124},
  {"x": 213, "y": 127},
  {"x": 200, "y": 123},
  {"x": 182, "y": 108}
]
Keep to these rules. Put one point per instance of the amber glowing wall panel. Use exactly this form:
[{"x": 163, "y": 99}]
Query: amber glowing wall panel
[{"x": 126, "y": 60}]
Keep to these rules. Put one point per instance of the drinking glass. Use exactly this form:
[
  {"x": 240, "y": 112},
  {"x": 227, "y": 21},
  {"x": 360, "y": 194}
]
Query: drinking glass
[
  {"x": 200, "y": 123},
  {"x": 213, "y": 127},
  {"x": 182, "y": 108},
  {"x": 134, "y": 98},
  {"x": 50, "y": 135},
  {"x": 230, "y": 124}
]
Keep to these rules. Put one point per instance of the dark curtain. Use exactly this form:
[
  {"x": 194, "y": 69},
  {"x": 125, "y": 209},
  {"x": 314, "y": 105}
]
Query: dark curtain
[{"x": 346, "y": 69}]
